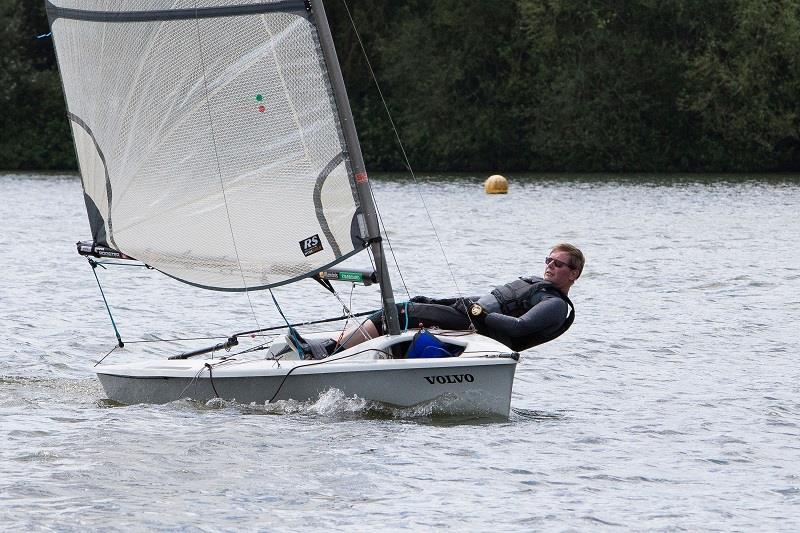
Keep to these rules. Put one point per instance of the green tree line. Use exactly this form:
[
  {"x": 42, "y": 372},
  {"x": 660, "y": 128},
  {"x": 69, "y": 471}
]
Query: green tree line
[{"x": 512, "y": 85}]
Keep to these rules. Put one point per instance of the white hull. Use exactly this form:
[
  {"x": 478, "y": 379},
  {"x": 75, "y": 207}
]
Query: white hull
[{"x": 478, "y": 381}]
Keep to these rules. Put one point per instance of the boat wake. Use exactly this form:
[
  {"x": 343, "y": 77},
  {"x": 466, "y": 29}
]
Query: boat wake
[
  {"x": 22, "y": 390},
  {"x": 335, "y": 404}
]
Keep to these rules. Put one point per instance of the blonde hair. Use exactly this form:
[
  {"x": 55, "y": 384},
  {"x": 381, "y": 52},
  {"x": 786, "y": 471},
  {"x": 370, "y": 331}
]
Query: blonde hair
[{"x": 576, "y": 256}]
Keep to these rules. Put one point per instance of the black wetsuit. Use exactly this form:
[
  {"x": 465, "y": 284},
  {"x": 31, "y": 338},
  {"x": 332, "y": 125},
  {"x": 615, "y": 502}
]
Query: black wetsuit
[{"x": 546, "y": 314}]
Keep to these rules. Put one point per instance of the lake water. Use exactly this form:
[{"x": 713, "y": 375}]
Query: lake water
[{"x": 673, "y": 403}]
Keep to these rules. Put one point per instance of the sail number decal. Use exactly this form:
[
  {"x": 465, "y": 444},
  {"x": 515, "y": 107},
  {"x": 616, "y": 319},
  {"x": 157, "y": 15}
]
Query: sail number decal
[
  {"x": 452, "y": 378},
  {"x": 311, "y": 245}
]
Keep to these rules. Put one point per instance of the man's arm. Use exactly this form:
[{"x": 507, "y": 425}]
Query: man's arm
[
  {"x": 441, "y": 301},
  {"x": 547, "y": 315}
]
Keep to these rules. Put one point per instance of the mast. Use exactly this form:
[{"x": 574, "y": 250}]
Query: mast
[{"x": 357, "y": 162}]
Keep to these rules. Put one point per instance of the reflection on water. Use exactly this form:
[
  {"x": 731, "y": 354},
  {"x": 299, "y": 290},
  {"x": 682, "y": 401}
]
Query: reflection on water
[
  {"x": 670, "y": 404},
  {"x": 527, "y": 414}
]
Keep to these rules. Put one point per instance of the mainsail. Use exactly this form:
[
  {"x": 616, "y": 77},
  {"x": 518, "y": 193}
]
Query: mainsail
[{"x": 208, "y": 136}]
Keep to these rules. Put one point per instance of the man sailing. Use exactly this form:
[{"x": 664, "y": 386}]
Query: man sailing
[{"x": 520, "y": 314}]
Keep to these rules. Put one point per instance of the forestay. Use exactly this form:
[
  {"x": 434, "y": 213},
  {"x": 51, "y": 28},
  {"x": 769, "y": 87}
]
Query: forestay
[{"x": 208, "y": 138}]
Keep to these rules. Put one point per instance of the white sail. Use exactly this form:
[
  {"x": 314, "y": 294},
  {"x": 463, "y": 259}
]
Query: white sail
[{"x": 208, "y": 138}]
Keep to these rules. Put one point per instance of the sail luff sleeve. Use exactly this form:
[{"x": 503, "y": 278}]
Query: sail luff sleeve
[{"x": 212, "y": 122}]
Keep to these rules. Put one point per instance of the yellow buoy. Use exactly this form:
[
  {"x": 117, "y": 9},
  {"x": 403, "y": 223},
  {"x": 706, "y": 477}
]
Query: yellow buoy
[{"x": 496, "y": 184}]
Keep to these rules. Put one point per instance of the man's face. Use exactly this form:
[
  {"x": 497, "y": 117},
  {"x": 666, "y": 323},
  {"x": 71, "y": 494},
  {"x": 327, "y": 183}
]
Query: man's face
[{"x": 559, "y": 271}]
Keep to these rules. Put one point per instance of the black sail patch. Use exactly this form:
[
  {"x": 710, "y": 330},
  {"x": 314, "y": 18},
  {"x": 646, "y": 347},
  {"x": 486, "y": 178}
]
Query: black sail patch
[{"x": 311, "y": 245}]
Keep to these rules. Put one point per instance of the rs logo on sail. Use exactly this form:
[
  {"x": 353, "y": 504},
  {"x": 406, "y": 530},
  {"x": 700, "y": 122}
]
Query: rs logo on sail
[
  {"x": 451, "y": 378},
  {"x": 311, "y": 245}
]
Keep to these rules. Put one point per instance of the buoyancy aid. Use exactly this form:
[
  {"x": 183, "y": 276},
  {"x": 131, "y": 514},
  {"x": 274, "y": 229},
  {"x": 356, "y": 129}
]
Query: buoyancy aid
[{"x": 517, "y": 298}]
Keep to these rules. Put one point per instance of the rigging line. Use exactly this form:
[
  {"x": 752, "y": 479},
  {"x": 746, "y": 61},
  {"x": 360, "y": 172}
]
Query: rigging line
[
  {"x": 103, "y": 294},
  {"x": 292, "y": 332},
  {"x": 345, "y": 309},
  {"x": 262, "y": 346},
  {"x": 219, "y": 168},
  {"x": 322, "y": 362},
  {"x": 314, "y": 322},
  {"x": 388, "y": 240},
  {"x": 106, "y": 355},
  {"x": 359, "y": 325},
  {"x": 194, "y": 379},
  {"x": 108, "y": 263},
  {"x": 371, "y": 259},
  {"x": 211, "y": 380},
  {"x": 402, "y": 148},
  {"x": 142, "y": 341},
  {"x": 346, "y": 322}
]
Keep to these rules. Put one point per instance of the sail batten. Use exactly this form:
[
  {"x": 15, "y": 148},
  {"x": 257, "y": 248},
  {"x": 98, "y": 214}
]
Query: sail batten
[{"x": 208, "y": 138}]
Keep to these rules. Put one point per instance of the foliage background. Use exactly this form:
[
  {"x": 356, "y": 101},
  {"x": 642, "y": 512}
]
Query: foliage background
[{"x": 512, "y": 85}]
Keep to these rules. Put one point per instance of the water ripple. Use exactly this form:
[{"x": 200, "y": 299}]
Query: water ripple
[{"x": 671, "y": 404}]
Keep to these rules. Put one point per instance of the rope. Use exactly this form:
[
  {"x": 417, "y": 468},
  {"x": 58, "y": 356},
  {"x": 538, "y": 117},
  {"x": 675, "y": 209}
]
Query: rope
[
  {"x": 106, "y": 355},
  {"x": 403, "y": 151},
  {"x": 111, "y": 263},
  {"x": 262, "y": 346},
  {"x": 120, "y": 344},
  {"x": 292, "y": 332},
  {"x": 388, "y": 240},
  {"x": 345, "y": 310},
  {"x": 211, "y": 380},
  {"x": 360, "y": 327},
  {"x": 194, "y": 379},
  {"x": 280, "y": 386},
  {"x": 143, "y": 341},
  {"x": 322, "y": 321}
]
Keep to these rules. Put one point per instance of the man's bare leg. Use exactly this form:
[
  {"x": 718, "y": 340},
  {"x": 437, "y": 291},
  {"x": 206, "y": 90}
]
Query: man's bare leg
[{"x": 357, "y": 334}]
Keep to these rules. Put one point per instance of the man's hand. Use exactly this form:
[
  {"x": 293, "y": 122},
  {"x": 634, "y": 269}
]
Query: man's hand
[
  {"x": 420, "y": 300},
  {"x": 477, "y": 315}
]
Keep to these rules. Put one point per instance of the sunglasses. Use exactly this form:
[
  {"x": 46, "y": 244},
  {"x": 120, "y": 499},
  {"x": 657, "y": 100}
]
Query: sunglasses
[{"x": 556, "y": 262}]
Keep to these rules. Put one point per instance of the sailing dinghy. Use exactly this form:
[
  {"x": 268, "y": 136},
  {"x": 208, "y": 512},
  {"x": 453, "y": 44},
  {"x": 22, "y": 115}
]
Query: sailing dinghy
[{"x": 216, "y": 145}]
